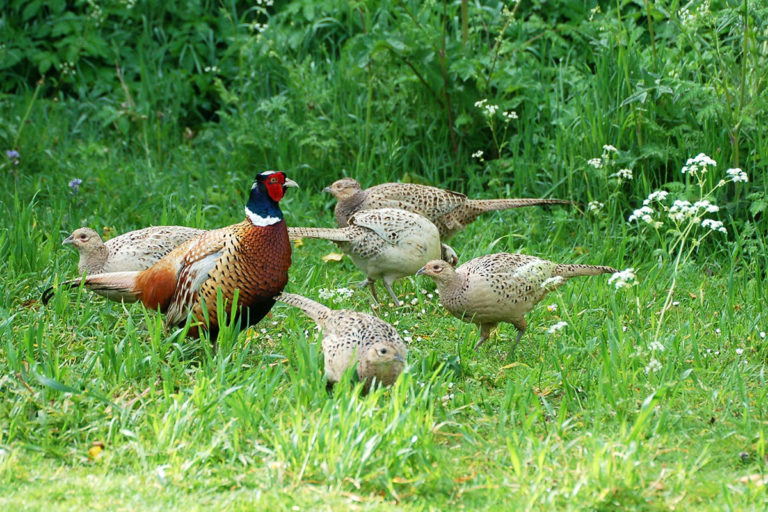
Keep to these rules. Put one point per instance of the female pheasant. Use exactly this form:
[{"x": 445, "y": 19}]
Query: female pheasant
[{"x": 252, "y": 257}]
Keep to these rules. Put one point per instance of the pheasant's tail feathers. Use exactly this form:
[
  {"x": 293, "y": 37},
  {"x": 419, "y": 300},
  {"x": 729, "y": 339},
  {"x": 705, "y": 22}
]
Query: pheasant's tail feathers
[
  {"x": 506, "y": 204},
  {"x": 66, "y": 285},
  {"x": 314, "y": 310},
  {"x": 115, "y": 286},
  {"x": 333, "y": 234},
  {"x": 582, "y": 270}
]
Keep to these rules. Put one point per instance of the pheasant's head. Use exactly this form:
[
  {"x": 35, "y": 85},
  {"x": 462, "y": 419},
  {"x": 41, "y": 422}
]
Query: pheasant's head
[
  {"x": 384, "y": 360},
  {"x": 440, "y": 271},
  {"x": 273, "y": 183},
  {"x": 344, "y": 188},
  {"x": 85, "y": 240}
]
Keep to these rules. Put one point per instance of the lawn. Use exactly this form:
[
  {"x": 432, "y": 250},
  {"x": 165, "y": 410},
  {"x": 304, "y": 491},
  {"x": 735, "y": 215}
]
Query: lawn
[{"x": 648, "y": 394}]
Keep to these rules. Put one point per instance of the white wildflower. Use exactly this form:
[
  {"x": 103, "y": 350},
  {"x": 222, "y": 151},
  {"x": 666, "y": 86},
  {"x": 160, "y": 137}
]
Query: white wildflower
[
  {"x": 699, "y": 163},
  {"x": 655, "y": 346},
  {"x": 718, "y": 331},
  {"x": 595, "y": 206},
  {"x": 509, "y": 115},
  {"x": 558, "y": 326},
  {"x": 623, "y": 279},
  {"x": 762, "y": 335},
  {"x": 681, "y": 210},
  {"x": 552, "y": 307},
  {"x": 737, "y": 175},
  {"x": 707, "y": 206},
  {"x": 480, "y": 103},
  {"x": 657, "y": 195},
  {"x": 714, "y": 225},
  {"x": 478, "y": 154},
  {"x": 739, "y": 351},
  {"x": 608, "y": 148},
  {"x": 622, "y": 175},
  {"x": 653, "y": 366},
  {"x": 597, "y": 163},
  {"x": 415, "y": 438},
  {"x": 643, "y": 214}
]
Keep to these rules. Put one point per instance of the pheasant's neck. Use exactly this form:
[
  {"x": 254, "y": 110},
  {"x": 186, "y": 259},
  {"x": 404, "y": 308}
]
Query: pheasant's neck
[
  {"x": 345, "y": 209},
  {"x": 450, "y": 283},
  {"x": 94, "y": 261},
  {"x": 261, "y": 210}
]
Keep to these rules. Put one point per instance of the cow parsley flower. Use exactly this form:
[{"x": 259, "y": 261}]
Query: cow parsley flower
[
  {"x": 653, "y": 366},
  {"x": 698, "y": 164},
  {"x": 597, "y": 163},
  {"x": 737, "y": 175},
  {"x": 714, "y": 225},
  {"x": 655, "y": 346},
  {"x": 557, "y": 327},
  {"x": 623, "y": 279},
  {"x": 595, "y": 206},
  {"x": 658, "y": 195},
  {"x": 622, "y": 175}
]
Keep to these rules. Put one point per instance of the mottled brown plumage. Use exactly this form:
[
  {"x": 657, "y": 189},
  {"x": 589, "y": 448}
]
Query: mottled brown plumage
[
  {"x": 251, "y": 257},
  {"x": 350, "y": 337},
  {"x": 385, "y": 244},
  {"x": 135, "y": 250},
  {"x": 500, "y": 287},
  {"x": 449, "y": 211}
]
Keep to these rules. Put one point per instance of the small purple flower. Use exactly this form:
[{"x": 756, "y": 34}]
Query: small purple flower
[
  {"x": 12, "y": 154},
  {"x": 75, "y": 185}
]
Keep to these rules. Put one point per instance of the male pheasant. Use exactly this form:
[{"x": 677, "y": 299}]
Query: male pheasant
[
  {"x": 252, "y": 257},
  {"x": 349, "y": 337},
  {"x": 386, "y": 244},
  {"x": 500, "y": 287},
  {"x": 449, "y": 211},
  {"x": 135, "y": 250}
]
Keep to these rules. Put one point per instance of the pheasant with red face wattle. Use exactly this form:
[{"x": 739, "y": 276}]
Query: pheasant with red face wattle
[{"x": 252, "y": 257}]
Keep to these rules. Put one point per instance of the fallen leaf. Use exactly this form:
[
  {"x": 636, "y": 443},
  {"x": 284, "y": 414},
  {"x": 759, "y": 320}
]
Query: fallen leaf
[
  {"x": 96, "y": 451},
  {"x": 755, "y": 478},
  {"x": 298, "y": 242},
  {"x": 333, "y": 256}
]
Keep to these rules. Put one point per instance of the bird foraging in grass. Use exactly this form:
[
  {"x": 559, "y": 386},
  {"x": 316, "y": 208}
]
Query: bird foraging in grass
[
  {"x": 449, "y": 211},
  {"x": 386, "y": 244},
  {"x": 500, "y": 287},
  {"x": 135, "y": 250},
  {"x": 351, "y": 337},
  {"x": 251, "y": 257}
]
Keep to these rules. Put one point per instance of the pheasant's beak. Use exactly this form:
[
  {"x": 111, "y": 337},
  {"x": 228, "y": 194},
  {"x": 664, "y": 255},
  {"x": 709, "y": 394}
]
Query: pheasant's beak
[
  {"x": 421, "y": 271},
  {"x": 327, "y": 190},
  {"x": 68, "y": 240},
  {"x": 290, "y": 183}
]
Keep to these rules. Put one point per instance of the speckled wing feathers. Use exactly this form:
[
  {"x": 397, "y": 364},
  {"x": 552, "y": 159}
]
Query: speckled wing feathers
[{"x": 140, "y": 249}]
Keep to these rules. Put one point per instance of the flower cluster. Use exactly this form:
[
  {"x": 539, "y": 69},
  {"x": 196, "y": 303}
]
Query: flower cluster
[
  {"x": 698, "y": 164},
  {"x": 488, "y": 109},
  {"x": 737, "y": 175},
  {"x": 337, "y": 295},
  {"x": 623, "y": 279},
  {"x": 595, "y": 206},
  {"x": 557, "y": 327},
  {"x": 597, "y": 163},
  {"x": 622, "y": 175},
  {"x": 653, "y": 366}
]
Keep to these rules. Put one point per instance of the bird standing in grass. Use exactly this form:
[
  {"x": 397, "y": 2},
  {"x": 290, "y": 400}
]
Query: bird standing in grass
[
  {"x": 386, "y": 244},
  {"x": 251, "y": 257},
  {"x": 135, "y": 250},
  {"x": 350, "y": 337},
  {"x": 500, "y": 287},
  {"x": 449, "y": 211}
]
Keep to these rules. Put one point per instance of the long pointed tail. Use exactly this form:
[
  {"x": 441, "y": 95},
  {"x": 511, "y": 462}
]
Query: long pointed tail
[
  {"x": 582, "y": 270},
  {"x": 114, "y": 286},
  {"x": 333, "y": 234},
  {"x": 488, "y": 205},
  {"x": 314, "y": 310}
]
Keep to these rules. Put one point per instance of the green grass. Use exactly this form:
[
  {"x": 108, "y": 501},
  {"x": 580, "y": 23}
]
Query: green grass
[
  {"x": 580, "y": 419},
  {"x": 573, "y": 422}
]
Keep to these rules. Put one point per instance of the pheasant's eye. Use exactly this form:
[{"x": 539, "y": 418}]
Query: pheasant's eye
[
  {"x": 83, "y": 237},
  {"x": 273, "y": 180},
  {"x": 383, "y": 351}
]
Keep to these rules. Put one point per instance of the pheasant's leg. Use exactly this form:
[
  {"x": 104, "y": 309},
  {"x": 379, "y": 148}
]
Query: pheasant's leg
[
  {"x": 521, "y": 325},
  {"x": 485, "y": 333},
  {"x": 388, "y": 286}
]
